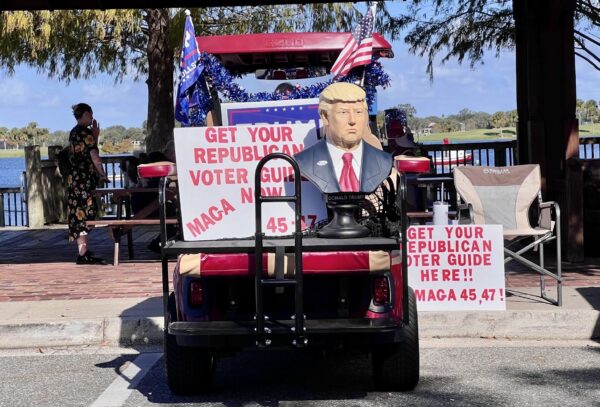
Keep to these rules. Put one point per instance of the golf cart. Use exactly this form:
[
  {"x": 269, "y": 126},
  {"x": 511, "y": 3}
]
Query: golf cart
[{"x": 289, "y": 288}]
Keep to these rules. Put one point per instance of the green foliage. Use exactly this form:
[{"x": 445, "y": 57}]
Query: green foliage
[
  {"x": 587, "y": 111},
  {"x": 113, "y": 134},
  {"x": 464, "y": 121},
  {"x": 28, "y": 135},
  {"x": 466, "y": 29},
  {"x": 73, "y": 44},
  {"x": 59, "y": 138}
]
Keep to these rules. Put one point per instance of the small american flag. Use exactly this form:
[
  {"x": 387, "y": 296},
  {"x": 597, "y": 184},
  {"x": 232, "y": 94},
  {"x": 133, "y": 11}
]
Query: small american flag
[{"x": 359, "y": 47}]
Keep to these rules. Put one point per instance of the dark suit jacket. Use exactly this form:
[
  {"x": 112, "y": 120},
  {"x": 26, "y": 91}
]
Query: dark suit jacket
[{"x": 316, "y": 166}]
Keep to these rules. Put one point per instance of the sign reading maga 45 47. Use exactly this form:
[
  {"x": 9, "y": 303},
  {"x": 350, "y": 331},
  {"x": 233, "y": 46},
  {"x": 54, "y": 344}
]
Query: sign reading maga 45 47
[
  {"x": 216, "y": 166},
  {"x": 457, "y": 267}
]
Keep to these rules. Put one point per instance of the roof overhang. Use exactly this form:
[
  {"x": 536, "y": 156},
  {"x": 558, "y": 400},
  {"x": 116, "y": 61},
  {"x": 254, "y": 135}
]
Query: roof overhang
[{"x": 245, "y": 53}]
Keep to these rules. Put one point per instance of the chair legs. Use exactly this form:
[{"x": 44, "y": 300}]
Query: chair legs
[{"x": 540, "y": 268}]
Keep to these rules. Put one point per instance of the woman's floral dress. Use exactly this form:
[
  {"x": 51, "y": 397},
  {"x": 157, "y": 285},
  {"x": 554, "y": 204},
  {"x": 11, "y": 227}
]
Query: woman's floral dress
[{"x": 81, "y": 181}]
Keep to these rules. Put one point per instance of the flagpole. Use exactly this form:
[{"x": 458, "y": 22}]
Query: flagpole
[
  {"x": 364, "y": 72},
  {"x": 362, "y": 79}
]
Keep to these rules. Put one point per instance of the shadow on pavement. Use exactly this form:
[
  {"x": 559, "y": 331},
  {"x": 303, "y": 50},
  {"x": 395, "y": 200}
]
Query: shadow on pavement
[
  {"x": 139, "y": 330},
  {"x": 27, "y": 246},
  {"x": 592, "y": 296}
]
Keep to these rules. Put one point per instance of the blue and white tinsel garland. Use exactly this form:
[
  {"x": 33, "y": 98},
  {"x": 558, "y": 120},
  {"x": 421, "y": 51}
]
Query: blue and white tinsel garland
[{"x": 223, "y": 81}]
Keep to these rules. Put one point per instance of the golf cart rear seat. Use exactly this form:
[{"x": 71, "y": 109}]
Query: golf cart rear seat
[{"x": 243, "y": 264}]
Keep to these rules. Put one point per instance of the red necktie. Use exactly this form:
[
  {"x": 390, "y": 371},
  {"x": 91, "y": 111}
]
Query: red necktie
[{"x": 348, "y": 180}]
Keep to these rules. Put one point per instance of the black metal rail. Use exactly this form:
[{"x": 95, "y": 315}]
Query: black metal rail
[{"x": 279, "y": 280}]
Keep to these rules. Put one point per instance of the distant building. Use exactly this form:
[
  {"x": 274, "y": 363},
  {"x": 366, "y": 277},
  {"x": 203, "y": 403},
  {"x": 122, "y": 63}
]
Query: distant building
[{"x": 427, "y": 130}]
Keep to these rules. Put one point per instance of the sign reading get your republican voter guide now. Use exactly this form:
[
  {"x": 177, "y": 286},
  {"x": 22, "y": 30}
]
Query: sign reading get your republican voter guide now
[
  {"x": 215, "y": 170},
  {"x": 457, "y": 267}
]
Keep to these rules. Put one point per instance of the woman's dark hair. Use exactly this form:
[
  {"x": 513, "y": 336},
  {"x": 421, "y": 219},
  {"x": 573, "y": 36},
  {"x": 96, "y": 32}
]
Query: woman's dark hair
[
  {"x": 80, "y": 108},
  {"x": 284, "y": 88}
]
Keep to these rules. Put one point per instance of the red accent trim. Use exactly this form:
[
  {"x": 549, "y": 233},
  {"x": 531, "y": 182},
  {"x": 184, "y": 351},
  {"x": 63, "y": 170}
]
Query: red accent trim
[
  {"x": 280, "y": 42},
  {"x": 241, "y": 264},
  {"x": 398, "y": 291},
  {"x": 377, "y": 315},
  {"x": 156, "y": 170},
  {"x": 406, "y": 164}
]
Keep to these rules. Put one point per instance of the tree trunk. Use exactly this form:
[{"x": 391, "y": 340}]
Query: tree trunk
[
  {"x": 161, "y": 117},
  {"x": 548, "y": 132}
]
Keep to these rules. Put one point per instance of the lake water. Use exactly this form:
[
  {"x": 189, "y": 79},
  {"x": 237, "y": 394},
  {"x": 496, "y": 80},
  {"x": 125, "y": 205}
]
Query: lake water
[{"x": 10, "y": 171}]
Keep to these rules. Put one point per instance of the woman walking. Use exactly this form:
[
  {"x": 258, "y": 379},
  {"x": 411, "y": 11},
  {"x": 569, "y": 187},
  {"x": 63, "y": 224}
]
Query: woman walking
[{"x": 85, "y": 174}]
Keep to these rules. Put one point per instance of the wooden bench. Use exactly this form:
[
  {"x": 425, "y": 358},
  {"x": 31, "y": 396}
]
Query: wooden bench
[{"x": 121, "y": 225}]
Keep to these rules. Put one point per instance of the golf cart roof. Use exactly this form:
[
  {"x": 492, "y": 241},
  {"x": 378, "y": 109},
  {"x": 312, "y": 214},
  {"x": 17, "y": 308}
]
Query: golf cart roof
[{"x": 245, "y": 53}]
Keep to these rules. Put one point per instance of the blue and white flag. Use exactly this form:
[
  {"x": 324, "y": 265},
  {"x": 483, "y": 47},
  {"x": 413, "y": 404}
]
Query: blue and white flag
[{"x": 188, "y": 91}]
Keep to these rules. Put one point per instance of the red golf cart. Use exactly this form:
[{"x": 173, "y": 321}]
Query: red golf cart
[{"x": 291, "y": 291}]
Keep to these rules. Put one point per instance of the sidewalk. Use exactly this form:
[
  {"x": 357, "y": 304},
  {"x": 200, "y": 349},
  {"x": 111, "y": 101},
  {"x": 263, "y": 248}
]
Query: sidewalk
[{"x": 46, "y": 303}]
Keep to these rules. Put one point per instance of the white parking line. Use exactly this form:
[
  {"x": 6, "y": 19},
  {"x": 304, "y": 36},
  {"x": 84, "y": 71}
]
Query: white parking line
[{"x": 120, "y": 389}]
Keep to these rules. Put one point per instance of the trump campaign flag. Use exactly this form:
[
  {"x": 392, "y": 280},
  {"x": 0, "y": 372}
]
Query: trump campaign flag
[
  {"x": 359, "y": 47},
  {"x": 188, "y": 92}
]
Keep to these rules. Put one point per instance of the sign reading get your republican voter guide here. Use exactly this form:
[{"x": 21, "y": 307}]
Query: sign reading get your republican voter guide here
[
  {"x": 457, "y": 267},
  {"x": 215, "y": 170}
]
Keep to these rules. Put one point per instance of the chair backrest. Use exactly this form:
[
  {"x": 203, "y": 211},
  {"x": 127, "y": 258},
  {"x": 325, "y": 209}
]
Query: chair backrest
[{"x": 499, "y": 195}]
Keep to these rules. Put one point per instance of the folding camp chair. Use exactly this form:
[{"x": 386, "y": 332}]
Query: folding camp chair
[{"x": 504, "y": 195}]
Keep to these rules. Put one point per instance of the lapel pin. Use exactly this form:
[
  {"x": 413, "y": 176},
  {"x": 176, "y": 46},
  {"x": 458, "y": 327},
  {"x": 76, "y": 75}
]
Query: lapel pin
[{"x": 321, "y": 163}]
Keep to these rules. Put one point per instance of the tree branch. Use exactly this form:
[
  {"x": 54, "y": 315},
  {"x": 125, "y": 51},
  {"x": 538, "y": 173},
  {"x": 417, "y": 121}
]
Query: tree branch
[
  {"x": 587, "y": 37},
  {"x": 590, "y": 53},
  {"x": 588, "y": 60}
]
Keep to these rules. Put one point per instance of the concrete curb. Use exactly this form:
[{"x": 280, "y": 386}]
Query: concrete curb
[
  {"x": 140, "y": 331},
  {"x": 555, "y": 324},
  {"x": 113, "y": 331}
]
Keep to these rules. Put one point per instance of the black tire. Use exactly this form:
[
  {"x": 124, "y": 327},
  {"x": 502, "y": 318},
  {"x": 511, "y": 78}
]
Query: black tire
[
  {"x": 396, "y": 366},
  {"x": 188, "y": 370}
]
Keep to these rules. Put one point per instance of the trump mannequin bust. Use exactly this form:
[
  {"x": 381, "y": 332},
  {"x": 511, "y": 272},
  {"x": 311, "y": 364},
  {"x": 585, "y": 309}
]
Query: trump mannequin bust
[{"x": 343, "y": 162}]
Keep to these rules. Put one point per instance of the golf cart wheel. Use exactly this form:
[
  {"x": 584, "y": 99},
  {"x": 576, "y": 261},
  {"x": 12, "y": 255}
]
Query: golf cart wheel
[
  {"x": 188, "y": 370},
  {"x": 396, "y": 366}
]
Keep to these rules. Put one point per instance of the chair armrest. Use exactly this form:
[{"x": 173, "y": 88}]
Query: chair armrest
[
  {"x": 464, "y": 214},
  {"x": 548, "y": 204},
  {"x": 546, "y": 219}
]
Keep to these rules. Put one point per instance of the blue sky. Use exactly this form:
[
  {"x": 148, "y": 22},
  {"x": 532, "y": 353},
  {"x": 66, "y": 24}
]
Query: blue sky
[{"x": 489, "y": 87}]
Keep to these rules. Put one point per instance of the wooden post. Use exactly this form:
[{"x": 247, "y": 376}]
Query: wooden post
[
  {"x": 35, "y": 196},
  {"x": 57, "y": 186},
  {"x": 574, "y": 210},
  {"x": 2, "y": 221},
  {"x": 500, "y": 156},
  {"x": 547, "y": 132}
]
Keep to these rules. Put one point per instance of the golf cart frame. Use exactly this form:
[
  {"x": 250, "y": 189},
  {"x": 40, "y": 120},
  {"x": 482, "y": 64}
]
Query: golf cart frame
[{"x": 372, "y": 311}]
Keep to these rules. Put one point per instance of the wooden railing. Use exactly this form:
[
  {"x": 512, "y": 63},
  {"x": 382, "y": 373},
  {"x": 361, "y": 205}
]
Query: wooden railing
[
  {"x": 13, "y": 205},
  {"x": 13, "y": 210},
  {"x": 112, "y": 167},
  {"x": 589, "y": 148},
  {"x": 447, "y": 156}
]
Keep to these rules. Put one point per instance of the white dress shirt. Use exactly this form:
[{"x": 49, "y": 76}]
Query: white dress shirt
[{"x": 338, "y": 162}]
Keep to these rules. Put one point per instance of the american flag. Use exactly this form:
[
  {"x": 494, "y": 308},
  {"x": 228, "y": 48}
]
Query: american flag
[{"x": 359, "y": 47}]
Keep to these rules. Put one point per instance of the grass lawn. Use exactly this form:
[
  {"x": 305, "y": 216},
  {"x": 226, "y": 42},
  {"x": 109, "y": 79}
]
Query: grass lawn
[
  {"x": 506, "y": 133},
  {"x": 21, "y": 153}
]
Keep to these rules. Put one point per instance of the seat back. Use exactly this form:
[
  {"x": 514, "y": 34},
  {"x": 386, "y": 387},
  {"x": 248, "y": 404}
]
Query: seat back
[{"x": 499, "y": 195}]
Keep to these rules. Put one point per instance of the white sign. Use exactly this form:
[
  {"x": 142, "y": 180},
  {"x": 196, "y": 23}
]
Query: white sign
[
  {"x": 457, "y": 267},
  {"x": 216, "y": 167}
]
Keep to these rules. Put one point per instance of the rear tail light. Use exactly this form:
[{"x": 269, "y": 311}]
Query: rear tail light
[
  {"x": 381, "y": 291},
  {"x": 196, "y": 294}
]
